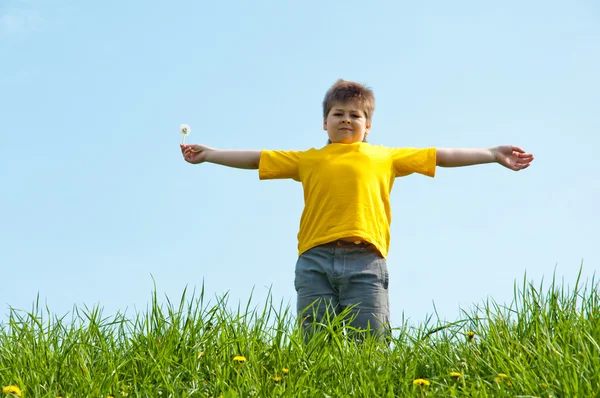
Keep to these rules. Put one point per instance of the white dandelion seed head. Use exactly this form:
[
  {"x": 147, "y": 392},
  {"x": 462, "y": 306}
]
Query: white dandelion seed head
[{"x": 185, "y": 129}]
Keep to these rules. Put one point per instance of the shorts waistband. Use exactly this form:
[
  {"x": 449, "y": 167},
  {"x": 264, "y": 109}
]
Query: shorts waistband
[{"x": 347, "y": 243}]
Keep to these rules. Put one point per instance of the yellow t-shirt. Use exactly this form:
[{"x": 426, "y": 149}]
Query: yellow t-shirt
[{"x": 346, "y": 188}]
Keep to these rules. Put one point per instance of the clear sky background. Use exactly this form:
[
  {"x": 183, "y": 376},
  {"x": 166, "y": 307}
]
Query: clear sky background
[{"x": 96, "y": 200}]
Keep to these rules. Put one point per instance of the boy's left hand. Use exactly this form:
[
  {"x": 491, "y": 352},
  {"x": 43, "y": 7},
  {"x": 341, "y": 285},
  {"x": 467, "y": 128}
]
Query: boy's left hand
[{"x": 512, "y": 157}]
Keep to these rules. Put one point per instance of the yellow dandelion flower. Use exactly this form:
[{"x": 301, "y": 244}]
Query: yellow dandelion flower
[
  {"x": 421, "y": 382},
  {"x": 14, "y": 390},
  {"x": 470, "y": 335},
  {"x": 239, "y": 358},
  {"x": 277, "y": 378},
  {"x": 503, "y": 377},
  {"x": 285, "y": 371},
  {"x": 456, "y": 375}
]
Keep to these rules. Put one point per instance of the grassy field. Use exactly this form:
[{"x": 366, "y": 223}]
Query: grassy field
[{"x": 543, "y": 344}]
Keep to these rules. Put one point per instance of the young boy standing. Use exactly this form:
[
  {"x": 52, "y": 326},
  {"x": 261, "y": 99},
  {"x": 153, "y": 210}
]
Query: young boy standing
[{"x": 344, "y": 234}]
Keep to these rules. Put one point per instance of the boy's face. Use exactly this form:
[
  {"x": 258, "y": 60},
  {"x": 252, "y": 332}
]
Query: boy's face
[{"x": 346, "y": 123}]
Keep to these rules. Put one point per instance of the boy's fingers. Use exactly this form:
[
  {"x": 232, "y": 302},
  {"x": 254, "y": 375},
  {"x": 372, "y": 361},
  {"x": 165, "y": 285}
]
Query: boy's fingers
[
  {"x": 517, "y": 149},
  {"x": 523, "y": 161},
  {"x": 522, "y": 154}
]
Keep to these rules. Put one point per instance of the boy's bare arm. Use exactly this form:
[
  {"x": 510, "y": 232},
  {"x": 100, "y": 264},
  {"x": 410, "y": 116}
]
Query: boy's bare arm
[
  {"x": 241, "y": 159},
  {"x": 509, "y": 156}
]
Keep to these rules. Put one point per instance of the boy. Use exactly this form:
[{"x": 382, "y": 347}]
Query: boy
[{"x": 344, "y": 234}]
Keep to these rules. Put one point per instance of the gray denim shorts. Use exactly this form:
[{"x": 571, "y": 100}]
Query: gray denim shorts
[{"x": 331, "y": 278}]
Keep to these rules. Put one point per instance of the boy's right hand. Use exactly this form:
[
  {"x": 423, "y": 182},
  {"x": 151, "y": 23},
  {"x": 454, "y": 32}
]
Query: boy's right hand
[{"x": 194, "y": 153}]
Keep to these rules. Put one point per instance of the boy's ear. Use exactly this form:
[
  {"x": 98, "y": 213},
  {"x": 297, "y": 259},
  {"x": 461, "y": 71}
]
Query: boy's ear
[{"x": 324, "y": 124}]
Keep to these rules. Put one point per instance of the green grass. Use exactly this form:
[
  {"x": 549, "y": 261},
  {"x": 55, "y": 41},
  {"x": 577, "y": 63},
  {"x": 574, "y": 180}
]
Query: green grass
[{"x": 546, "y": 343}]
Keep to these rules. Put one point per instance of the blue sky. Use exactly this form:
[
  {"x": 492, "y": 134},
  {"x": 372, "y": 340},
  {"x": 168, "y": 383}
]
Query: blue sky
[{"x": 96, "y": 200}]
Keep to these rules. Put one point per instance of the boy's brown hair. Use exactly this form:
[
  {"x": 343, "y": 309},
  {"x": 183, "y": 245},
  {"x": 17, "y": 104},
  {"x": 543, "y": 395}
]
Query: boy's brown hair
[{"x": 344, "y": 91}]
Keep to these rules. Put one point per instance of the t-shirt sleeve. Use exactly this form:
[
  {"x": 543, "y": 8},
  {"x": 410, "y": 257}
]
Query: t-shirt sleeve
[
  {"x": 413, "y": 160},
  {"x": 279, "y": 164}
]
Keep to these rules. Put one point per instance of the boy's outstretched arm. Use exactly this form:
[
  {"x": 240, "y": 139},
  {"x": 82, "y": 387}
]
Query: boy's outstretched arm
[
  {"x": 509, "y": 156},
  {"x": 240, "y": 159}
]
